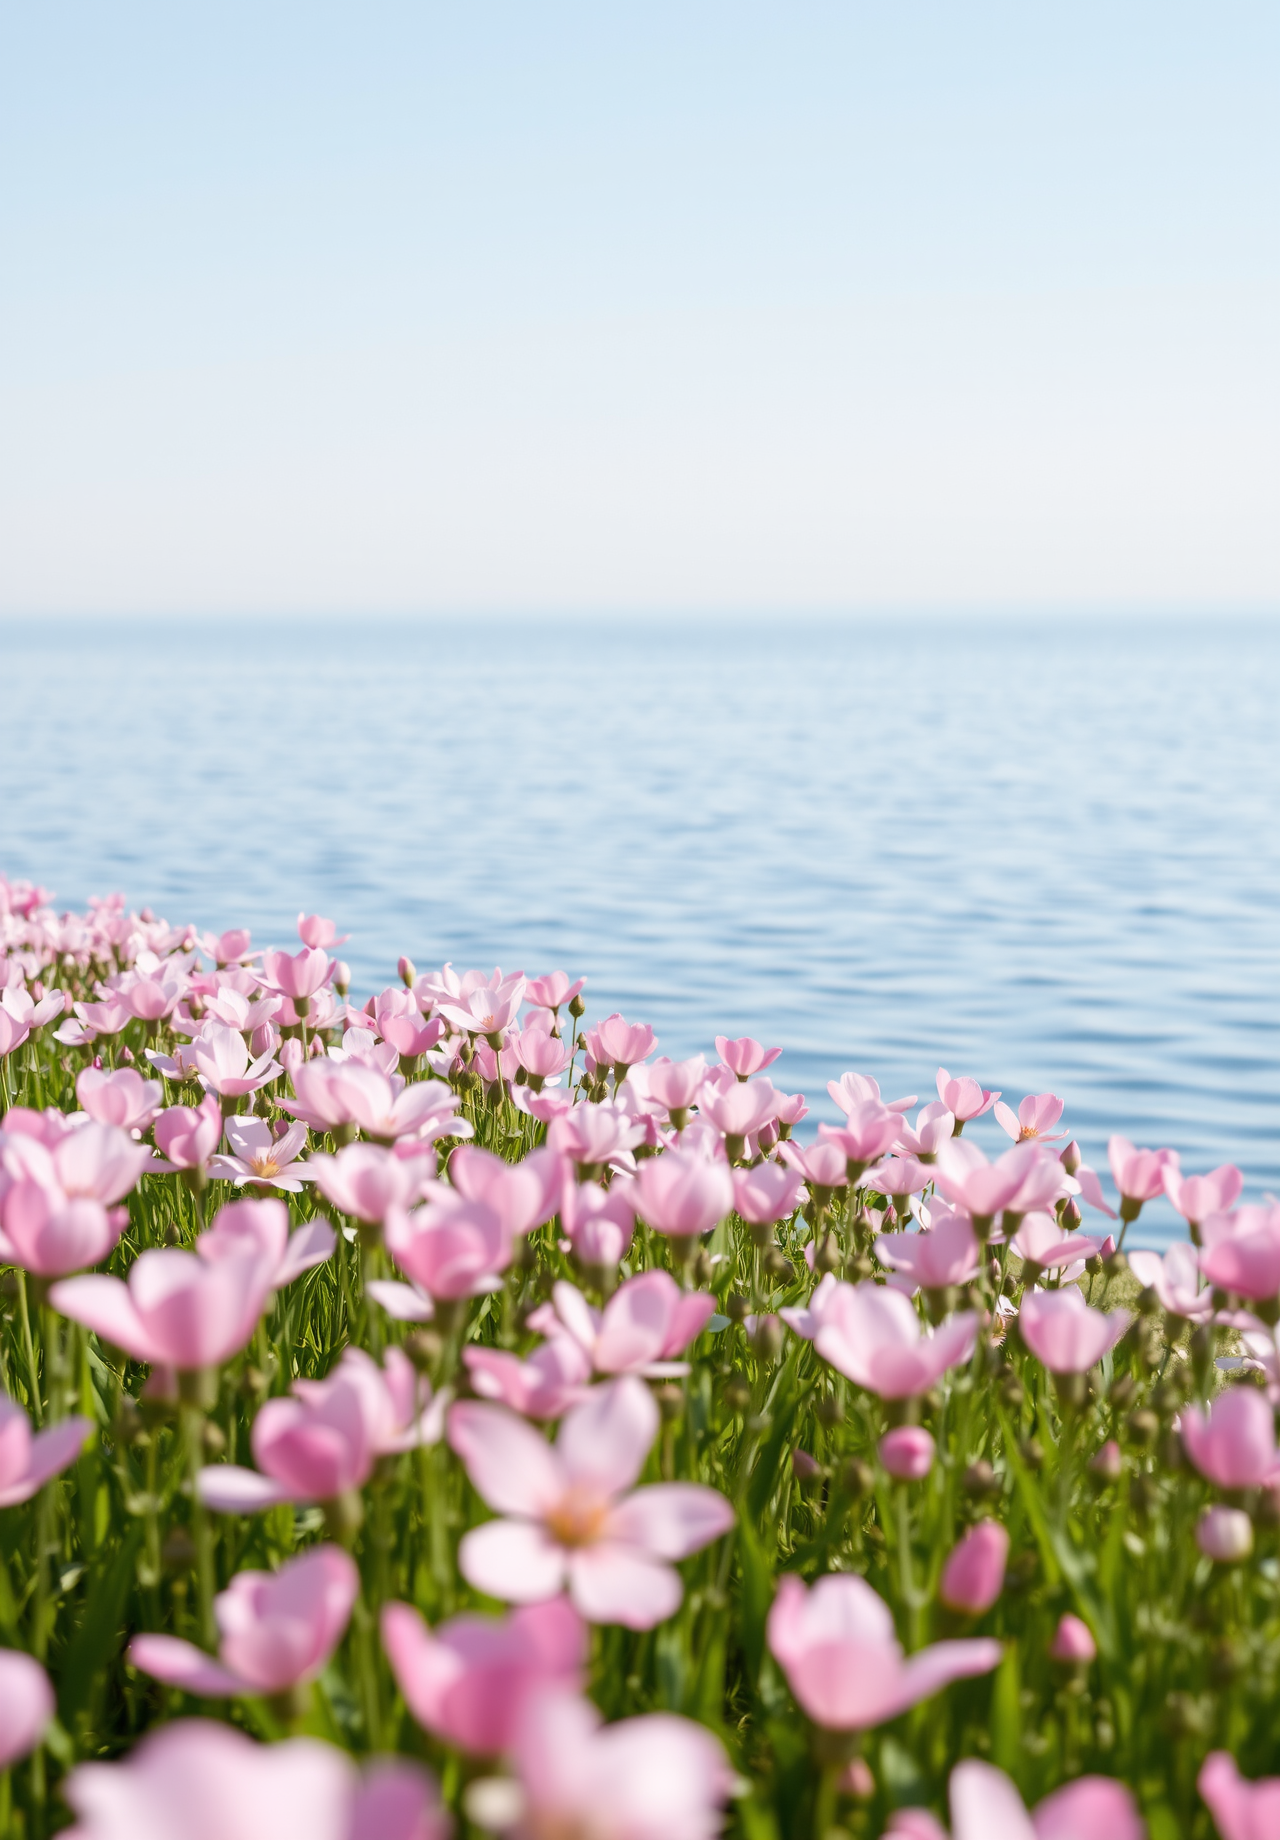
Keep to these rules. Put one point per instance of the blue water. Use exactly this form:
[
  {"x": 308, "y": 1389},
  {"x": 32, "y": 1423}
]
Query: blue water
[{"x": 1047, "y": 855}]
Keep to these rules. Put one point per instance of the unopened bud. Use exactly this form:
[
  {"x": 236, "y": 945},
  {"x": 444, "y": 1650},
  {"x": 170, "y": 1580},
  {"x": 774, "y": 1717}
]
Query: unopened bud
[
  {"x": 1225, "y": 1534},
  {"x": 1073, "y": 1642},
  {"x": 577, "y": 1007},
  {"x": 408, "y": 973},
  {"x": 767, "y": 1339},
  {"x": 737, "y": 1393},
  {"x": 1107, "y": 1463},
  {"x": 857, "y": 1478},
  {"x": 1070, "y": 1158},
  {"x": 828, "y": 1410},
  {"x": 980, "y": 1480},
  {"x": 423, "y": 1347},
  {"x": 670, "y": 1400},
  {"x": 827, "y": 1257},
  {"x": 341, "y": 976},
  {"x": 737, "y": 1307}
]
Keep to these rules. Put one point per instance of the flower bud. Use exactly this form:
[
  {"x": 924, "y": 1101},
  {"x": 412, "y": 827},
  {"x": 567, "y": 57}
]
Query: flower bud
[
  {"x": 857, "y": 1478},
  {"x": 577, "y": 1007},
  {"x": 1225, "y": 1534},
  {"x": 1073, "y": 1642},
  {"x": 341, "y": 976},
  {"x": 907, "y": 1452},
  {"x": 804, "y": 1467},
  {"x": 1107, "y": 1463},
  {"x": 973, "y": 1576},
  {"x": 408, "y": 973},
  {"x": 767, "y": 1338},
  {"x": 1070, "y": 1158}
]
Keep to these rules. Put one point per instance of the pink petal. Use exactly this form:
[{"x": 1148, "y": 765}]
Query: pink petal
[
  {"x": 514, "y": 1560},
  {"x": 511, "y": 1466},
  {"x": 606, "y": 1439},
  {"x": 183, "y": 1665},
  {"x": 54, "y": 1449},
  {"x": 311, "y": 1245},
  {"x": 401, "y": 1301},
  {"x": 1094, "y": 1805},
  {"x": 104, "y": 1305},
  {"x": 617, "y": 1584},
  {"x": 671, "y": 1519},
  {"x": 228, "y": 1489},
  {"x": 986, "y": 1806},
  {"x": 924, "y": 1673}
]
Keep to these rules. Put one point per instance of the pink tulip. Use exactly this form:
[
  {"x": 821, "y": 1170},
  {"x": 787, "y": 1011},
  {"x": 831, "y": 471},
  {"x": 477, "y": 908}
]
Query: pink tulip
[
  {"x": 1073, "y": 1641},
  {"x": 262, "y": 1159},
  {"x": 410, "y": 1036},
  {"x": 1138, "y": 1174},
  {"x": 683, "y": 1194},
  {"x": 468, "y": 1680},
  {"x": 453, "y": 1248},
  {"x": 868, "y": 1131},
  {"x": 1040, "y": 1241},
  {"x": 1241, "y": 1809},
  {"x": 964, "y": 1097},
  {"x": 946, "y": 1254},
  {"x": 594, "y": 1135},
  {"x": 94, "y": 1162},
  {"x": 899, "y": 1177},
  {"x": 907, "y": 1452},
  {"x": 553, "y": 1378},
  {"x": 837, "y": 1646},
  {"x": 278, "y": 1630},
  {"x": 648, "y": 1321},
  {"x": 222, "y": 1060},
  {"x": 823, "y": 1165},
  {"x": 618, "y": 1044},
  {"x": 45, "y": 1233},
  {"x": 317, "y": 933},
  {"x": 331, "y": 1094},
  {"x": 368, "y": 1181},
  {"x": 261, "y": 1229},
  {"x": 323, "y": 1441},
  {"x": 298, "y": 977},
  {"x": 576, "y": 1517},
  {"x": 542, "y": 1055},
  {"x": 983, "y": 1189},
  {"x": 1197, "y": 1196},
  {"x": 210, "y": 1782},
  {"x": 973, "y": 1576},
  {"x": 1225, "y": 1534},
  {"x": 985, "y": 1805},
  {"x": 188, "y": 1135},
  {"x": 599, "y": 1222},
  {"x": 746, "y": 1056},
  {"x": 523, "y": 1195},
  {"x": 767, "y": 1193},
  {"x": 552, "y": 991},
  {"x": 740, "y": 1109},
  {"x": 856, "y": 1088},
  {"x": 12, "y": 1033},
  {"x": 1242, "y": 1252},
  {"x": 122, "y": 1098},
  {"x": 27, "y": 1462},
  {"x": 1064, "y": 1334},
  {"x": 488, "y": 1009},
  {"x": 657, "y": 1777},
  {"x": 1175, "y": 1279},
  {"x": 230, "y": 947},
  {"x": 150, "y": 998},
  {"x": 176, "y": 1310},
  {"x": 26, "y": 1705},
  {"x": 873, "y": 1335},
  {"x": 1035, "y": 1118},
  {"x": 675, "y": 1085},
  {"x": 934, "y": 1126},
  {"x": 1235, "y": 1447}
]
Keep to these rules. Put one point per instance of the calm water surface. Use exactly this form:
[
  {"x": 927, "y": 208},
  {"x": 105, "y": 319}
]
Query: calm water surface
[{"x": 1046, "y": 856}]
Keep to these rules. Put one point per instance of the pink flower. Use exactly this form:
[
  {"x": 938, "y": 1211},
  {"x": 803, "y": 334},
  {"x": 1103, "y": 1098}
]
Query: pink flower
[
  {"x": 12, "y": 1033},
  {"x": 1064, "y": 1334},
  {"x": 523, "y": 1195},
  {"x": 868, "y": 1131},
  {"x": 209, "y": 1782},
  {"x": 837, "y": 1646},
  {"x": 188, "y": 1135},
  {"x": 552, "y": 991},
  {"x": 1242, "y": 1252},
  {"x": 1235, "y": 1447},
  {"x": 453, "y": 1248},
  {"x": 1225, "y": 1534},
  {"x": 676, "y": 1084},
  {"x": 682, "y": 1193},
  {"x": 823, "y": 1165},
  {"x": 222, "y": 1061},
  {"x": 741, "y": 1108},
  {"x": 873, "y": 1335},
  {"x": 488, "y": 1009},
  {"x": 297, "y": 977},
  {"x": 934, "y": 1126},
  {"x": 964, "y": 1097},
  {"x": 746, "y": 1056},
  {"x": 985, "y": 1805},
  {"x": 907, "y": 1452},
  {"x": 983, "y": 1189},
  {"x": 1073, "y": 1641},
  {"x": 261, "y": 1158},
  {"x": 899, "y": 1177},
  {"x": 323, "y": 1441},
  {"x": 49, "y": 1235},
  {"x": 1041, "y": 1241},
  {"x": 331, "y": 1094},
  {"x": 593, "y": 1135},
  {"x": 26, "y": 1705},
  {"x": 574, "y": 1520},
  {"x": 553, "y": 1378},
  {"x": 973, "y": 1576},
  {"x": 599, "y": 1222},
  {"x": 176, "y": 1310},
  {"x": 122, "y": 1098},
  {"x": 1175, "y": 1279},
  {"x": 1035, "y": 1118},
  {"x": 261, "y": 1229},
  {"x": 856, "y": 1088},
  {"x": 1138, "y": 1174},
  {"x": 618, "y": 1044},
  {"x": 278, "y": 1630},
  {"x": 767, "y": 1193},
  {"x": 468, "y": 1680},
  {"x": 946, "y": 1254},
  {"x": 27, "y": 1462},
  {"x": 94, "y": 1162},
  {"x": 230, "y": 947},
  {"x": 542, "y": 1055},
  {"x": 316, "y": 933},
  {"x": 1241, "y": 1810},
  {"x": 410, "y": 1036},
  {"x": 1195, "y": 1197},
  {"x": 657, "y": 1777},
  {"x": 646, "y": 1322},
  {"x": 368, "y": 1181}
]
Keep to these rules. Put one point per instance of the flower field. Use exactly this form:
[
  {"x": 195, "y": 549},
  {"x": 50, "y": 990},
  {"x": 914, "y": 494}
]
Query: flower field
[{"x": 425, "y": 1412}]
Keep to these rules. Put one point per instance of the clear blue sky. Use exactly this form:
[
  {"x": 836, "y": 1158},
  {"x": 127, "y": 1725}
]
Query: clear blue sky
[{"x": 309, "y": 307}]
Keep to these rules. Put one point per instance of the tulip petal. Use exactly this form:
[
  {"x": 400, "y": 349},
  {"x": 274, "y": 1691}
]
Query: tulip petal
[
  {"x": 611, "y": 1583},
  {"x": 183, "y": 1665},
  {"x": 513, "y": 1560},
  {"x": 671, "y": 1519}
]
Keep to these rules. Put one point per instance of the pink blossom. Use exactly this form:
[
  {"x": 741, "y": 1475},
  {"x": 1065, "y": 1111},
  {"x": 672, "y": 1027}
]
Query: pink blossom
[
  {"x": 945, "y": 1254},
  {"x": 823, "y": 1165},
  {"x": 222, "y": 1061},
  {"x": 467, "y": 1680},
  {"x": 367, "y": 1181},
  {"x": 278, "y": 1629},
  {"x": 575, "y": 1515},
  {"x": 542, "y": 1055},
  {"x": 973, "y": 1576},
  {"x": 324, "y": 1440},
  {"x": 899, "y": 1177},
  {"x": 741, "y": 1109},
  {"x": 453, "y": 1248},
  {"x": 856, "y": 1088},
  {"x": 657, "y": 1777},
  {"x": 1042, "y": 1242},
  {"x": 907, "y": 1452},
  {"x": 593, "y": 1135},
  {"x": 985, "y": 1805},
  {"x": 683, "y": 1194},
  {"x": 298, "y": 977},
  {"x": 1242, "y": 1251},
  {"x": 27, "y": 1705},
  {"x": 47, "y": 1233},
  {"x": 983, "y": 1189},
  {"x": 1241, "y": 1809},
  {"x": 873, "y": 1335},
  {"x": 1044, "y": 1184},
  {"x": 1235, "y": 1447},
  {"x": 1091, "y": 1189},
  {"x": 619, "y": 1044},
  {"x": 95, "y": 1162},
  {"x": 746, "y": 1056},
  {"x": 12, "y": 1033},
  {"x": 544, "y": 1385},
  {"x": 646, "y": 1323},
  {"x": 523, "y": 1195},
  {"x": 331, "y": 1094},
  {"x": 1073, "y": 1641},
  {"x": 208, "y": 1782},
  {"x": 868, "y": 1131},
  {"x": 1175, "y": 1279},
  {"x": 176, "y": 1310},
  {"x": 552, "y": 991},
  {"x": 1138, "y": 1174},
  {"x": 767, "y": 1193},
  {"x": 837, "y": 1646},
  {"x": 188, "y": 1135},
  {"x": 230, "y": 947},
  {"x": 1036, "y": 1117},
  {"x": 27, "y": 1461},
  {"x": 121, "y": 1098},
  {"x": 1225, "y": 1534},
  {"x": 934, "y": 1126},
  {"x": 1064, "y": 1334},
  {"x": 261, "y": 1229},
  {"x": 316, "y": 933},
  {"x": 259, "y": 1157},
  {"x": 1197, "y": 1196},
  {"x": 487, "y": 1010},
  {"x": 599, "y": 1222},
  {"x": 23, "y": 1009},
  {"x": 410, "y": 1036},
  {"x": 676, "y": 1084},
  {"x": 964, "y": 1096}
]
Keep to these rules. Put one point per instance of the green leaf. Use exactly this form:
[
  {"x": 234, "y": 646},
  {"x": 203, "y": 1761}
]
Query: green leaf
[{"x": 99, "y": 1636}]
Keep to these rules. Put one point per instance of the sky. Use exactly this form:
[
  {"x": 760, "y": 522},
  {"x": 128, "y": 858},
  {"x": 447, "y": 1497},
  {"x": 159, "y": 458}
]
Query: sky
[{"x": 702, "y": 307}]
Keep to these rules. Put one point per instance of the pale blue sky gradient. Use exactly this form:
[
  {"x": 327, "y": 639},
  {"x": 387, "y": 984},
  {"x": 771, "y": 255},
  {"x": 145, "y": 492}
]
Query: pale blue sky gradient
[{"x": 310, "y": 308}]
